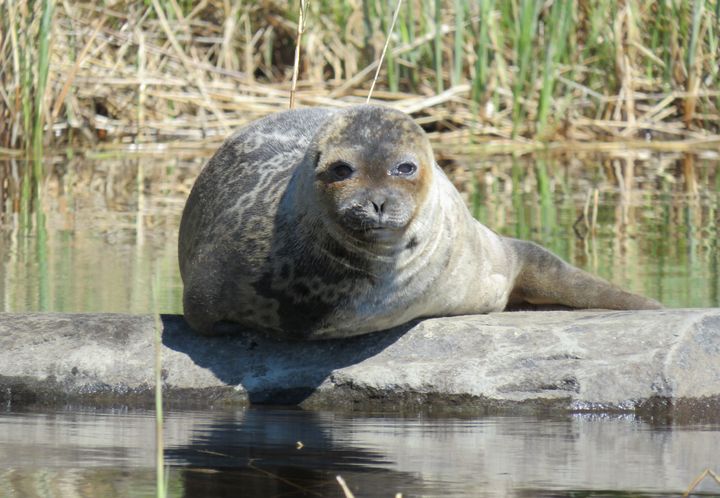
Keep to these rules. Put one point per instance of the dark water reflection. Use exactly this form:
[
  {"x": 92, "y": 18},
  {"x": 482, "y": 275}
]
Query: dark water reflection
[
  {"x": 255, "y": 453},
  {"x": 111, "y": 225}
]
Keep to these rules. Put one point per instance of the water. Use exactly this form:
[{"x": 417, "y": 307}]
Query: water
[
  {"x": 111, "y": 225},
  {"x": 255, "y": 453},
  {"x": 109, "y": 239}
]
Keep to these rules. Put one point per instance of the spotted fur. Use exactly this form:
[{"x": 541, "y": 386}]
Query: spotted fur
[{"x": 269, "y": 239}]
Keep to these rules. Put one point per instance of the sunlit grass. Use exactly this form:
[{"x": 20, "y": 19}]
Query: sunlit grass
[
  {"x": 556, "y": 47},
  {"x": 586, "y": 70}
]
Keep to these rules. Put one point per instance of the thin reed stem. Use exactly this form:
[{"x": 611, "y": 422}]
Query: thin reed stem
[
  {"x": 557, "y": 31},
  {"x": 161, "y": 484},
  {"x": 480, "y": 80},
  {"x": 439, "y": 86},
  {"x": 296, "y": 64},
  {"x": 458, "y": 48},
  {"x": 691, "y": 61},
  {"x": 43, "y": 67},
  {"x": 524, "y": 38},
  {"x": 382, "y": 55}
]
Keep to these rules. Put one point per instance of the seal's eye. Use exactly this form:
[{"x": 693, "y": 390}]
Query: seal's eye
[
  {"x": 404, "y": 169},
  {"x": 341, "y": 170}
]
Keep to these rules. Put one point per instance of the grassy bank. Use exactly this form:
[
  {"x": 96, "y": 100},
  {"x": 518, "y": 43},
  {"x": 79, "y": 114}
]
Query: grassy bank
[{"x": 163, "y": 71}]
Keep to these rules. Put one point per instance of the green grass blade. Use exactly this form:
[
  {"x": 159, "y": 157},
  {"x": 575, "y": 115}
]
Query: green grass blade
[
  {"x": 458, "y": 50},
  {"x": 524, "y": 38},
  {"x": 698, "y": 7},
  {"x": 439, "y": 85},
  {"x": 43, "y": 67},
  {"x": 482, "y": 63},
  {"x": 558, "y": 28}
]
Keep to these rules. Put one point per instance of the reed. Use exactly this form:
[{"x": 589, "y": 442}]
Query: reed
[
  {"x": 558, "y": 31},
  {"x": 691, "y": 62},
  {"x": 296, "y": 61},
  {"x": 389, "y": 18},
  {"x": 707, "y": 473},
  {"x": 523, "y": 44},
  {"x": 526, "y": 70},
  {"x": 458, "y": 42},
  {"x": 544, "y": 190},
  {"x": 384, "y": 51},
  {"x": 407, "y": 35},
  {"x": 438, "y": 47},
  {"x": 160, "y": 477},
  {"x": 482, "y": 64},
  {"x": 43, "y": 65}
]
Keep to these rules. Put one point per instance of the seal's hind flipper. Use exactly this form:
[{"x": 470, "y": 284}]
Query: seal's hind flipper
[{"x": 544, "y": 279}]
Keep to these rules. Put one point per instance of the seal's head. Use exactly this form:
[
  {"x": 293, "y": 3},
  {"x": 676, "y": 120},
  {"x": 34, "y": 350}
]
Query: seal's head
[{"x": 373, "y": 170}]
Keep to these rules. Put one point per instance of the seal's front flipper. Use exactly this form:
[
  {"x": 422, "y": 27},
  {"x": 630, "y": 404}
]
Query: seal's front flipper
[{"x": 544, "y": 279}]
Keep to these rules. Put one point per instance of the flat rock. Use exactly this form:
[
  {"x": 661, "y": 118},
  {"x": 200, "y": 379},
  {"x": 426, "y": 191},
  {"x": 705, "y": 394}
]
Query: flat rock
[{"x": 658, "y": 361}]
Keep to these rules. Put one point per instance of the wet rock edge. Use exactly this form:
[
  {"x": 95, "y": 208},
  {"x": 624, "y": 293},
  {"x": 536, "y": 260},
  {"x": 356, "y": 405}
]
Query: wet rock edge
[{"x": 325, "y": 391}]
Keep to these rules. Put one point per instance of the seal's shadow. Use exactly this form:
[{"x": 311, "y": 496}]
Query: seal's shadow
[{"x": 272, "y": 371}]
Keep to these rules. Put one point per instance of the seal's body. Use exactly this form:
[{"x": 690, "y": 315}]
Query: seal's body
[{"x": 320, "y": 223}]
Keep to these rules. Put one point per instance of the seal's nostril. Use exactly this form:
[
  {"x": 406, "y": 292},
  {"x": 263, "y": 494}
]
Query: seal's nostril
[{"x": 378, "y": 206}]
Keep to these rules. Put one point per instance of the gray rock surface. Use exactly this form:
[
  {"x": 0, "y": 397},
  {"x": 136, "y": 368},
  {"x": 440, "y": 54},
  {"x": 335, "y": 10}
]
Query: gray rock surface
[{"x": 653, "y": 361}]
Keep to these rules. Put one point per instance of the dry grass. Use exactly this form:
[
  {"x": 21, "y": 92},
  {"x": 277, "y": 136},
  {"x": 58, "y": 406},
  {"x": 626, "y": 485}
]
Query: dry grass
[
  {"x": 134, "y": 73},
  {"x": 704, "y": 474}
]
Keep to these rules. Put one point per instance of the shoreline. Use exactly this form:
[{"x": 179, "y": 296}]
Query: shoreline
[{"x": 660, "y": 363}]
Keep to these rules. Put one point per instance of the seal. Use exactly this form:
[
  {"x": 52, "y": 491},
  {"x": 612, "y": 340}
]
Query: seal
[{"x": 324, "y": 223}]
